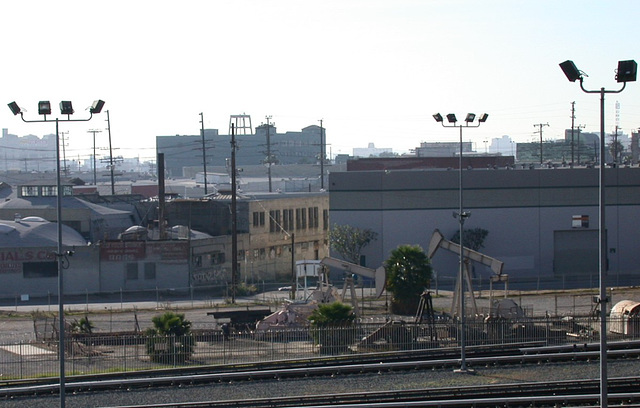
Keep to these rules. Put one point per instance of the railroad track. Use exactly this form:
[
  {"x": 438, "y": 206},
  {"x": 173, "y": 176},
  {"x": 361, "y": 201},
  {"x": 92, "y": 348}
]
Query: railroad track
[
  {"x": 373, "y": 363},
  {"x": 583, "y": 392}
]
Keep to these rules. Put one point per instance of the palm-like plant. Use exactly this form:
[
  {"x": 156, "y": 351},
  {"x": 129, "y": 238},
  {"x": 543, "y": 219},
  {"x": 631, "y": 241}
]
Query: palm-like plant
[
  {"x": 332, "y": 327},
  {"x": 408, "y": 275},
  {"x": 170, "y": 340}
]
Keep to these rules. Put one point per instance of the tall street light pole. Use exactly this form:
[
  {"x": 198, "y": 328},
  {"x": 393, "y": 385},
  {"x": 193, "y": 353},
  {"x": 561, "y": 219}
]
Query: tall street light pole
[
  {"x": 66, "y": 108},
  {"x": 626, "y": 73},
  {"x": 461, "y": 215}
]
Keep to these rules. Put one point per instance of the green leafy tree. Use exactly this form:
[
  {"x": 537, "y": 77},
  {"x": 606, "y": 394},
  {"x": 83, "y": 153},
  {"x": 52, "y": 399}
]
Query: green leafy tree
[
  {"x": 332, "y": 327},
  {"x": 473, "y": 238},
  {"x": 170, "y": 341},
  {"x": 348, "y": 241},
  {"x": 408, "y": 275}
]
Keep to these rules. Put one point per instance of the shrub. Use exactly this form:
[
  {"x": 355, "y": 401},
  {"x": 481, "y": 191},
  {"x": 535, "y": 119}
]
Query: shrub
[
  {"x": 332, "y": 327},
  {"x": 170, "y": 340}
]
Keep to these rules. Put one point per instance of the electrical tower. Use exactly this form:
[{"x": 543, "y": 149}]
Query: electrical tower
[
  {"x": 616, "y": 151},
  {"x": 241, "y": 123}
]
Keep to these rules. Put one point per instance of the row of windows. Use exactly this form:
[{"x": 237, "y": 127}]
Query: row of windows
[
  {"x": 290, "y": 219},
  {"x": 206, "y": 260},
  {"x": 277, "y": 251},
  {"x": 44, "y": 191}
]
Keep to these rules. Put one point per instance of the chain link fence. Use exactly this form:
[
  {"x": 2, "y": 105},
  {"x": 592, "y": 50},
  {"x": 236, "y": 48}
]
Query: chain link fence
[{"x": 115, "y": 352}]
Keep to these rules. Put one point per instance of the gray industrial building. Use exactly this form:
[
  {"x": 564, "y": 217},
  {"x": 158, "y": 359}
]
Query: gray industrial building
[
  {"x": 181, "y": 151},
  {"x": 543, "y": 223}
]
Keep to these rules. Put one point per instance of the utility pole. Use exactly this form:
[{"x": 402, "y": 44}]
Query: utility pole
[
  {"x": 65, "y": 168},
  {"x": 573, "y": 117},
  {"x": 111, "y": 165},
  {"x": 540, "y": 125},
  {"x": 94, "y": 131},
  {"x": 321, "y": 156},
  {"x": 204, "y": 154},
  {"x": 268, "y": 117},
  {"x": 579, "y": 128}
]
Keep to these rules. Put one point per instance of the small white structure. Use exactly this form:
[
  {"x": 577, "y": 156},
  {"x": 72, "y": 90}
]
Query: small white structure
[{"x": 625, "y": 318}]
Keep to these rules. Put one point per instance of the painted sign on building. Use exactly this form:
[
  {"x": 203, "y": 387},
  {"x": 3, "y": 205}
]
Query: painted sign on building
[{"x": 122, "y": 251}]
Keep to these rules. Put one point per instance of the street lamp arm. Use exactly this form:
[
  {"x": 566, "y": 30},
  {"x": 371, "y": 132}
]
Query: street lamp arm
[
  {"x": 467, "y": 125},
  {"x": 55, "y": 120},
  {"x": 602, "y": 90}
]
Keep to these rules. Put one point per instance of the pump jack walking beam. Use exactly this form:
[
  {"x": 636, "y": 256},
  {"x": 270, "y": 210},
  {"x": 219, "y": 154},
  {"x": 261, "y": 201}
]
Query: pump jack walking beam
[{"x": 438, "y": 241}]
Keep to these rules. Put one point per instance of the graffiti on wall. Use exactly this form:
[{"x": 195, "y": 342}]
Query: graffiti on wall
[{"x": 209, "y": 276}]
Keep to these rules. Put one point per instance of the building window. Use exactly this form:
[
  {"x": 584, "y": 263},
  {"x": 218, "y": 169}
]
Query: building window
[
  {"x": 325, "y": 219},
  {"x": 301, "y": 218},
  {"x": 132, "y": 271},
  {"x": 150, "y": 270},
  {"x": 29, "y": 191},
  {"x": 287, "y": 220},
  {"x": 35, "y": 270},
  {"x": 258, "y": 219},
  {"x": 313, "y": 217},
  {"x": 49, "y": 191},
  {"x": 217, "y": 258},
  {"x": 274, "y": 221}
]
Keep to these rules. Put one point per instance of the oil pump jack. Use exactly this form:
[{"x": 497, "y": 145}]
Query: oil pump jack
[
  {"x": 379, "y": 275},
  {"x": 438, "y": 241}
]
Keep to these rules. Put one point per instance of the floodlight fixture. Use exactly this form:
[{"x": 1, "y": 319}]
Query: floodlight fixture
[
  {"x": 66, "y": 108},
  {"x": 451, "y": 117},
  {"x": 627, "y": 71},
  {"x": 470, "y": 117},
  {"x": 97, "y": 106},
  {"x": 15, "y": 109},
  {"x": 44, "y": 108},
  {"x": 483, "y": 118},
  {"x": 570, "y": 70},
  {"x": 437, "y": 117}
]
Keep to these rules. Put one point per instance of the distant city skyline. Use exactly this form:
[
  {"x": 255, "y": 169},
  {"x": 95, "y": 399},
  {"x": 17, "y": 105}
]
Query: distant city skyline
[
  {"x": 42, "y": 150},
  {"x": 374, "y": 71}
]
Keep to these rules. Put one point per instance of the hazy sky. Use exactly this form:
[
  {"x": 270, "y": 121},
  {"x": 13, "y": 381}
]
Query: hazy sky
[{"x": 373, "y": 70}]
